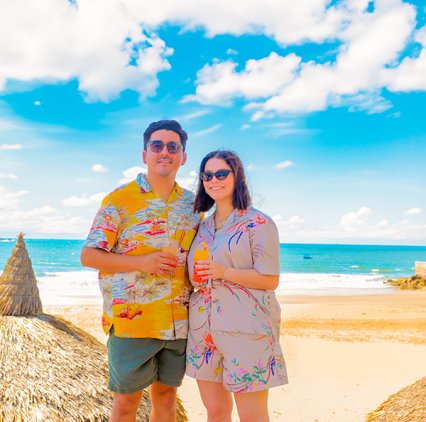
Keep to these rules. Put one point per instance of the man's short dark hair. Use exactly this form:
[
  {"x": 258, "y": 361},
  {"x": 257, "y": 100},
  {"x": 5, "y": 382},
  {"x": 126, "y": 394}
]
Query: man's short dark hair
[{"x": 172, "y": 125}]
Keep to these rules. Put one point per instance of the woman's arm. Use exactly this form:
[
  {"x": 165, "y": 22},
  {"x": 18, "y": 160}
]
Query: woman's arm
[{"x": 249, "y": 278}]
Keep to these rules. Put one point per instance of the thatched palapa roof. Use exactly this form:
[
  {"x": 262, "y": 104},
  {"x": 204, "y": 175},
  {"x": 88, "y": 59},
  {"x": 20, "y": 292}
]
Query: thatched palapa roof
[
  {"x": 50, "y": 370},
  {"x": 407, "y": 405},
  {"x": 18, "y": 286}
]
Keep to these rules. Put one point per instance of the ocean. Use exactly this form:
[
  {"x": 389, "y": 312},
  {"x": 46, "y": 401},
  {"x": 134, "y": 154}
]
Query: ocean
[{"x": 305, "y": 268}]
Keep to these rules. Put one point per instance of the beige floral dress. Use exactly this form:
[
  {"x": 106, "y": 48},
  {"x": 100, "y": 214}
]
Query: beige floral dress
[{"x": 233, "y": 330}]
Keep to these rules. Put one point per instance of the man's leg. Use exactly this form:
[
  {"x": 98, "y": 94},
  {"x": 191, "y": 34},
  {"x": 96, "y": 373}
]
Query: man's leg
[
  {"x": 163, "y": 400},
  {"x": 125, "y": 407}
]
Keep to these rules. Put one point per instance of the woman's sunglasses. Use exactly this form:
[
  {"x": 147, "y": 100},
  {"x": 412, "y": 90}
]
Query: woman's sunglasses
[
  {"x": 158, "y": 146},
  {"x": 207, "y": 176}
]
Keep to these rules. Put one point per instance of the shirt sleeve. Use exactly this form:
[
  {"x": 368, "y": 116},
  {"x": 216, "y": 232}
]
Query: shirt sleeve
[
  {"x": 265, "y": 245},
  {"x": 104, "y": 231}
]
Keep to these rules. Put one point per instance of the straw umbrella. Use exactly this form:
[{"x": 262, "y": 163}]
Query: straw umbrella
[
  {"x": 18, "y": 286},
  {"x": 50, "y": 370},
  {"x": 407, "y": 405}
]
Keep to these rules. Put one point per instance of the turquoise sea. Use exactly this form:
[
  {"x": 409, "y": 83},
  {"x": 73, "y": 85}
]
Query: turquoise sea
[{"x": 304, "y": 267}]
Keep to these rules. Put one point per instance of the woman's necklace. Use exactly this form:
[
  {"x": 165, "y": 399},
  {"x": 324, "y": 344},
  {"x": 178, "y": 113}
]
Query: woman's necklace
[{"x": 220, "y": 222}]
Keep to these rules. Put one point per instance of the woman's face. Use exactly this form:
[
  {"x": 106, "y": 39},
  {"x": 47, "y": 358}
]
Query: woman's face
[{"x": 219, "y": 190}]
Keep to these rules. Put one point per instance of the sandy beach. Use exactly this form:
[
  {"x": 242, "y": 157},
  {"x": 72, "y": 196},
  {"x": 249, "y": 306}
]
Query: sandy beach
[{"x": 345, "y": 353}]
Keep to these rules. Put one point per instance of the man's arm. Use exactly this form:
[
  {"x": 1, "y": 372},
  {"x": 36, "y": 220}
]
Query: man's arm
[{"x": 155, "y": 263}]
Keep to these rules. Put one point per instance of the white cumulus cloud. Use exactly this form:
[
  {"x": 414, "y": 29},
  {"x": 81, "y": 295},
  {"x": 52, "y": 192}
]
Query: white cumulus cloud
[
  {"x": 283, "y": 165},
  {"x": 99, "y": 168},
  {"x": 11, "y": 200},
  {"x": 356, "y": 219},
  {"x": 8, "y": 176},
  {"x": 59, "y": 41},
  {"x": 131, "y": 173},
  {"x": 84, "y": 200},
  {"x": 366, "y": 62},
  {"x": 188, "y": 182},
  {"x": 413, "y": 211},
  {"x": 10, "y": 147}
]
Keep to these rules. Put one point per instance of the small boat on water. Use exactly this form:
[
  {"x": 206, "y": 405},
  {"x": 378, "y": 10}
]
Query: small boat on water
[{"x": 306, "y": 256}]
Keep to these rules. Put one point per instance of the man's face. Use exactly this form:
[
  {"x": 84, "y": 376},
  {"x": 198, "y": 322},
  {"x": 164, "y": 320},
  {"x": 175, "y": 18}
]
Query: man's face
[{"x": 163, "y": 163}]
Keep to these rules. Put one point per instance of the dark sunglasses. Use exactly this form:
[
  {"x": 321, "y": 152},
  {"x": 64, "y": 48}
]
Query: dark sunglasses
[
  {"x": 220, "y": 175},
  {"x": 158, "y": 146}
]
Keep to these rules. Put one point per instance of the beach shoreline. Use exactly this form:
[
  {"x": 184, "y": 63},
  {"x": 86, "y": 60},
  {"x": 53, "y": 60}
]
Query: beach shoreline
[{"x": 345, "y": 353}]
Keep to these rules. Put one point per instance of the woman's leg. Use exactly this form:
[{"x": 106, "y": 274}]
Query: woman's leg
[
  {"x": 217, "y": 401},
  {"x": 252, "y": 407}
]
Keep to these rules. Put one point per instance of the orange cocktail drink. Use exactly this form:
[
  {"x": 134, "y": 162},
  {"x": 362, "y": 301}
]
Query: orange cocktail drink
[
  {"x": 199, "y": 255},
  {"x": 171, "y": 247}
]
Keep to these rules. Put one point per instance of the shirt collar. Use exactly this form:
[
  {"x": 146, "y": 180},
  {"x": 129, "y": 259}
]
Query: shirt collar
[{"x": 146, "y": 187}]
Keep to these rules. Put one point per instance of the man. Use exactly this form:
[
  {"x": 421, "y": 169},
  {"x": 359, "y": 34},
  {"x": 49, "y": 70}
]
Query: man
[{"x": 145, "y": 289}]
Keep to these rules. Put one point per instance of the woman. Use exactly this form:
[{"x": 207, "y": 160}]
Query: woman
[{"x": 234, "y": 317}]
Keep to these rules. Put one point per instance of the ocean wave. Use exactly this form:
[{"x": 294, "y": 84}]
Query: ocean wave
[
  {"x": 86, "y": 282},
  {"x": 310, "y": 282}
]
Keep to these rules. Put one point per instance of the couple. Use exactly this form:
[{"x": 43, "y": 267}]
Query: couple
[{"x": 142, "y": 238}]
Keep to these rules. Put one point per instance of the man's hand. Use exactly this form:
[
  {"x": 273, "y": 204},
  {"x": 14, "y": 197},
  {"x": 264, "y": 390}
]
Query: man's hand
[{"x": 159, "y": 263}]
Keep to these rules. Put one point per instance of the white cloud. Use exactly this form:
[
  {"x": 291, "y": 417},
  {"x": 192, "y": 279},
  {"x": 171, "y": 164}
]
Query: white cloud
[
  {"x": 45, "y": 219},
  {"x": 220, "y": 83},
  {"x": 283, "y": 165},
  {"x": 413, "y": 211},
  {"x": 383, "y": 223},
  {"x": 194, "y": 115},
  {"x": 10, "y": 147},
  {"x": 59, "y": 41},
  {"x": 99, "y": 168},
  {"x": 410, "y": 75},
  {"x": 11, "y": 200},
  {"x": 62, "y": 224},
  {"x": 189, "y": 182},
  {"x": 107, "y": 62},
  {"x": 292, "y": 222},
  {"x": 84, "y": 200},
  {"x": 207, "y": 131},
  {"x": 8, "y": 176},
  {"x": 131, "y": 173},
  {"x": 355, "y": 219},
  {"x": 371, "y": 43}
]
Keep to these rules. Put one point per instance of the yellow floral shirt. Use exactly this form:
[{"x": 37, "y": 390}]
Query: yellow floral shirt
[{"x": 134, "y": 220}]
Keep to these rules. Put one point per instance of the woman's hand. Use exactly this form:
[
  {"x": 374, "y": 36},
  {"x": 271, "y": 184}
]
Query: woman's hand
[{"x": 207, "y": 268}]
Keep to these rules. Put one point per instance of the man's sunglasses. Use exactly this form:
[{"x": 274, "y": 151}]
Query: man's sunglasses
[
  {"x": 158, "y": 146},
  {"x": 207, "y": 176}
]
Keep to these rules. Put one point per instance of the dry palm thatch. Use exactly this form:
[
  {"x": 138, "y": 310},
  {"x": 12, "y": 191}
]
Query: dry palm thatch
[
  {"x": 51, "y": 370},
  {"x": 18, "y": 287},
  {"x": 407, "y": 405}
]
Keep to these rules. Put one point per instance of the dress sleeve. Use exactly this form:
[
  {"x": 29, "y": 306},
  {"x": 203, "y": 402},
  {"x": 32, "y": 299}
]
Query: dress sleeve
[
  {"x": 265, "y": 245},
  {"x": 104, "y": 231}
]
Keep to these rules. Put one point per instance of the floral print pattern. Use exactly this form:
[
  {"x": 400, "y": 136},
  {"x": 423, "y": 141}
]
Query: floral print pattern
[
  {"x": 221, "y": 311},
  {"x": 133, "y": 220}
]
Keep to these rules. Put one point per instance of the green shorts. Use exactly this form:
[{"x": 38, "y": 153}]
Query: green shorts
[{"x": 135, "y": 363}]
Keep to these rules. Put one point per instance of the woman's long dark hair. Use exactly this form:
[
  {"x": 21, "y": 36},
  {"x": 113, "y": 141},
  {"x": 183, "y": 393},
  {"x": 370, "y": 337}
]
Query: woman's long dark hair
[{"x": 241, "y": 197}]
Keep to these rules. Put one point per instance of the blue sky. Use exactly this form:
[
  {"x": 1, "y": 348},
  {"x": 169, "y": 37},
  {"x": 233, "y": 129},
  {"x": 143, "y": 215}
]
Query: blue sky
[{"x": 324, "y": 102}]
